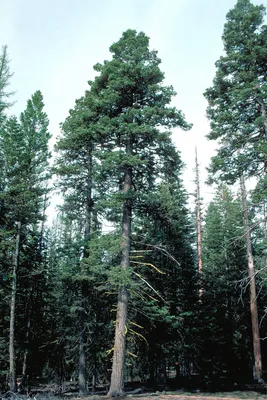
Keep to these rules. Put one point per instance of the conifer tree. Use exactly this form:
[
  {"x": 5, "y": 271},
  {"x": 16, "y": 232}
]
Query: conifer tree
[
  {"x": 134, "y": 105},
  {"x": 224, "y": 331},
  {"x": 199, "y": 224},
  {"x": 237, "y": 110},
  {"x": 237, "y": 99},
  {"x": 5, "y": 76},
  {"x": 163, "y": 236},
  {"x": 75, "y": 167},
  {"x": 25, "y": 151}
]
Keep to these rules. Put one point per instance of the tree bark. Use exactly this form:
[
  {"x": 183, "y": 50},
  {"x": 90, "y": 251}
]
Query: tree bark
[
  {"x": 264, "y": 116},
  {"x": 253, "y": 296},
  {"x": 26, "y": 352},
  {"x": 12, "y": 362},
  {"x": 82, "y": 360},
  {"x": 118, "y": 363}
]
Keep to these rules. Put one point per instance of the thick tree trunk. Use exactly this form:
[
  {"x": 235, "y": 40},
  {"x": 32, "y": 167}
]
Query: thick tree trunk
[
  {"x": 253, "y": 295},
  {"x": 117, "y": 375},
  {"x": 83, "y": 389},
  {"x": 12, "y": 365}
]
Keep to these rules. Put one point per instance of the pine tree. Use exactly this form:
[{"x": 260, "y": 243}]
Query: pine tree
[
  {"x": 5, "y": 76},
  {"x": 75, "y": 167},
  {"x": 224, "y": 331},
  {"x": 25, "y": 151},
  {"x": 237, "y": 110},
  {"x": 134, "y": 104},
  {"x": 163, "y": 238},
  {"x": 237, "y": 99},
  {"x": 199, "y": 224}
]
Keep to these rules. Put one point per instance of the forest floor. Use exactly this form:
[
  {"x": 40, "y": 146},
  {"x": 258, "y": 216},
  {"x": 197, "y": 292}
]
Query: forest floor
[
  {"x": 207, "y": 396},
  {"x": 187, "y": 396},
  {"x": 178, "y": 395}
]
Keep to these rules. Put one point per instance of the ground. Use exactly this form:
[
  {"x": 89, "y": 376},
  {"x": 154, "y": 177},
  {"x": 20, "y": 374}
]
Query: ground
[{"x": 249, "y": 395}]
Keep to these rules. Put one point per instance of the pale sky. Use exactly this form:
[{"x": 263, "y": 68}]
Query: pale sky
[{"x": 53, "y": 45}]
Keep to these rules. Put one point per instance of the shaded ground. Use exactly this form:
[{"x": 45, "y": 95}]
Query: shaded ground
[
  {"x": 211, "y": 396},
  {"x": 249, "y": 395},
  {"x": 188, "y": 396}
]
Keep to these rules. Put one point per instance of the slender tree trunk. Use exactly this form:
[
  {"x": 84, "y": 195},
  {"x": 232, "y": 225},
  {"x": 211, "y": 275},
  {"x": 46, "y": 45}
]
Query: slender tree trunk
[
  {"x": 82, "y": 360},
  {"x": 83, "y": 389},
  {"x": 26, "y": 352},
  {"x": 43, "y": 224},
  {"x": 27, "y": 339},
  {"x": 24, "y": 368},
  {"x": 118, "y": 364},
  {"x": 199, "y": 232},
  {"x": 264, "y": 116},
  {"x": 253, "y": 295},
  {"x": 12, "y": 365}
]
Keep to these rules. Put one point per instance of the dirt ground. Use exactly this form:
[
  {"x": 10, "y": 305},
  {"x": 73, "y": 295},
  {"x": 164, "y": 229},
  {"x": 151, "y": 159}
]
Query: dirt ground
[
  {"x": 187, "y": 396},
  {"x": 237, "y": 395},
  {"x": 201, "y": 396}
]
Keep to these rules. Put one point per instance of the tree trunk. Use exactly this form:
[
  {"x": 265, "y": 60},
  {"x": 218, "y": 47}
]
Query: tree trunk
[
  {"x": 82, "y": 359},
  {"x": 253, "y": 296},
  {"x": 26, "y": 352},
  {"x": 83, "y": 389},
  {"x": 199, "y": 237},
  {"x": 12, "y": 365},
  {"x": 264, "y": 116},
  {"x": 117, "y": 375}
]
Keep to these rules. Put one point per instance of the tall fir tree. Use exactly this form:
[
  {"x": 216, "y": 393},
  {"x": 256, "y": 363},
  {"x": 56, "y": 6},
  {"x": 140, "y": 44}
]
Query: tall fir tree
[
  {"x": 75, "y": 167},
  {"x": 5, "y": 76},
  {"x": 237, "y": 99},
  {"x": 134, "y": 105},
  {"x": 224, "y": 315},
  {"x": 25, "y": 151},
  {"x": 237, "y": 111}
]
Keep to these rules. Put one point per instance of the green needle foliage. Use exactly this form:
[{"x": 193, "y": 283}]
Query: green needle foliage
[
  {"x": 5, "y": 76},
  {"x": 237, "y": 99},
  {"x": 23, "y": 197},
  {"x": 225, "y": 307}
]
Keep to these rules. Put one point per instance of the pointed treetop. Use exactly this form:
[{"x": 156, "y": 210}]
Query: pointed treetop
[
  {"x": 5, "y": 76},
  {"x": 242, "y": 22}
]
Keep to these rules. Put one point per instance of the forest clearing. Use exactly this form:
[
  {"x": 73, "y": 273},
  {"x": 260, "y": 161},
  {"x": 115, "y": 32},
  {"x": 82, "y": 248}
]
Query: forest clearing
[{"x": 128, "y": 283}]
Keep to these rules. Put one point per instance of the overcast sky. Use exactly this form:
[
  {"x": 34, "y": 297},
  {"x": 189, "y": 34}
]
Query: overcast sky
[{"x": 53, "y": 45}]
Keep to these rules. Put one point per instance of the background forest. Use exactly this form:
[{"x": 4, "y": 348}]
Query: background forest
[{"x": 128, "y": 284}]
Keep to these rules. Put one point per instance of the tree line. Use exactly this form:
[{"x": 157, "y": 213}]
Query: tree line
[{"x": 128, "y": 284}]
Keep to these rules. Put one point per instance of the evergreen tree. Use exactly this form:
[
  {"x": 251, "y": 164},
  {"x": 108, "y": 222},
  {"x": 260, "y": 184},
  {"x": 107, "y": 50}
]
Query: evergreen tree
[
  {"x": 75, "y": 167},
  {"x": 25, "y": 151},
  {"x": 237, "y": 110},
  {"x": 134, "y": 105},
  {"x": 225, "y": 335},
  {"x": 163, "y": 237},
  {"x": 5, "y": 76},
  {"x": 237, "y": 99}
]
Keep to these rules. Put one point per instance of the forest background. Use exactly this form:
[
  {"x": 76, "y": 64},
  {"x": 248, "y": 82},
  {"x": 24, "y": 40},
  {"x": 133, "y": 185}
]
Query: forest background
[{"x": 187, "y": 312}]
